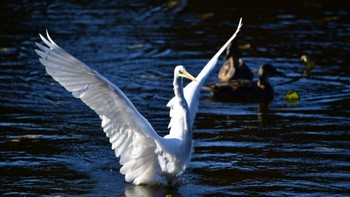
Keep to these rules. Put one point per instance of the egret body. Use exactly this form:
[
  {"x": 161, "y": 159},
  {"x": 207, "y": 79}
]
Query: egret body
[{"x": 146, "y": 157}]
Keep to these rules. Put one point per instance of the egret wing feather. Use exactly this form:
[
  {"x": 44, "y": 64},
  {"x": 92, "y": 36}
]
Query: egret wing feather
[
  {"x": 192, "y": 90},
  {"x": 131, "y": 135}
]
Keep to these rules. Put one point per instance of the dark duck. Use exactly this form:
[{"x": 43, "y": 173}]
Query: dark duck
[
  {"x": 234, "y": 67},
  {"x": 243, "y": 90}
]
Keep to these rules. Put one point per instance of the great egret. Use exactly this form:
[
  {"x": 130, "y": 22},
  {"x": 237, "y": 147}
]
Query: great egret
[
  {"x": 146, "y": 157},
  {"x": 246, "y": 90},
  {"x": 234, "y": 67}
]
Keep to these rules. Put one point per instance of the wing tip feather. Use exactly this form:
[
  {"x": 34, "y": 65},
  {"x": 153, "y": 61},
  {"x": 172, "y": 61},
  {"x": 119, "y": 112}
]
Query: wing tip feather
[{"x": 49, "y": 37}]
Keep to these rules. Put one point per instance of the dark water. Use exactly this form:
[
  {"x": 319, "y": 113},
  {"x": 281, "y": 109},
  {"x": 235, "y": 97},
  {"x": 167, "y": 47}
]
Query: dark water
[{"x": 52, "y": 144}]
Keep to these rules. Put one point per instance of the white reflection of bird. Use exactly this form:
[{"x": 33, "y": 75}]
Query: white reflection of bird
[{"x": 146, "y": 158}]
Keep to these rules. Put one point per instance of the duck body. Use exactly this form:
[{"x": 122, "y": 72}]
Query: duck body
[
  {"x": 234, "y": 68},
  {"x": 243, "y": 90}
]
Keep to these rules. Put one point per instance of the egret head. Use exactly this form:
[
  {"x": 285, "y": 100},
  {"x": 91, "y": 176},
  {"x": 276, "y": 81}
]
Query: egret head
[{"x": 180, "y": 71}]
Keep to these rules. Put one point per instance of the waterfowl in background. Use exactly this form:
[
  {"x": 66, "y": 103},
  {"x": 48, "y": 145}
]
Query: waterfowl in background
[
  {"x": 243, "y": 90},
  {"x": 234, "y": 67}
]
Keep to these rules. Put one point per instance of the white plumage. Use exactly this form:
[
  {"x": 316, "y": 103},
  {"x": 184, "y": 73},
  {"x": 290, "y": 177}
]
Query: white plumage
[{"x": 146, "y": 158}]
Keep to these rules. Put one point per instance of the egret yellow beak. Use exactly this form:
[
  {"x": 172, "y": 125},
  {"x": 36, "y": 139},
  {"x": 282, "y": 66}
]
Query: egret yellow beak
[{"x": 188, "y": 76}]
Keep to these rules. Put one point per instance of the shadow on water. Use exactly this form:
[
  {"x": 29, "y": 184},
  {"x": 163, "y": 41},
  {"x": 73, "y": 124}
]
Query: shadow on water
[{"x": 52, "y": 144}]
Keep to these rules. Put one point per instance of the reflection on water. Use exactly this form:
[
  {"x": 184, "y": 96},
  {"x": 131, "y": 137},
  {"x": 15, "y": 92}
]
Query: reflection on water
[
  {"x": 150, "y": 191},
  {"x": 52, "y": 144}
]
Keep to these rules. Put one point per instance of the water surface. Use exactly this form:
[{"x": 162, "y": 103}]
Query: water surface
[{"x": 52, "y": 144}]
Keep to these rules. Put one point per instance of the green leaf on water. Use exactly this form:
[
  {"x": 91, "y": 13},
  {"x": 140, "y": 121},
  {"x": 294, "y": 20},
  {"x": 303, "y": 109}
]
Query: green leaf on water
[
  {"x": 309, "y": 65},
  {"x": 292, "y": 96}
]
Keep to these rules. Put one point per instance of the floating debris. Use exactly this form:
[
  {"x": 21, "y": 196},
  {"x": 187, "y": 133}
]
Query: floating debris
[
  {"x": 292, "y": 96},
  {"x": 5, "y": 49},
  {"x": 244, "y": 46},
  {"x": 135, "y": 46},
  {"x": 309, "y": 63},
  {"x": 205, "y": 15},
  {"x": 15, "y": 140},
  {"x": 328, "y": 19},
  {"x": 173, "y": 4},
  {"x": 312, "y": 4}
]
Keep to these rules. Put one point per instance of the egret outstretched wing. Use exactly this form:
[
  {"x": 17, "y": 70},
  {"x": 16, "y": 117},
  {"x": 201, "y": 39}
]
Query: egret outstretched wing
[
  {"x": 131, "y": 135},
  {"x": 146, "y": 157},
  {"x": 192, "y": 90}
]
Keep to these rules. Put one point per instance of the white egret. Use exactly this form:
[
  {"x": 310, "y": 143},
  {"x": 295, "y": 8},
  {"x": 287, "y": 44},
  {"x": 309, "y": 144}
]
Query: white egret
[{"x": 146, "y": 157}]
